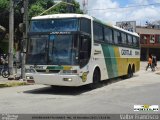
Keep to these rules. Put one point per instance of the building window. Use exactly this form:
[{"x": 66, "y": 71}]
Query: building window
[
  {"x": 152, "y": 39},
  {"x": 158, "y": 39},
  {"x": 143, "y": 39}
]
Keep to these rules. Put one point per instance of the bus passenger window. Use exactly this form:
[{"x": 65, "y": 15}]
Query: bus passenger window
[
  {"x": 98, "y": 32},
  {"x": 117, "y": 37},
  {"x": 135, "y": 41},
  {"x": 124, "y": 38},
  {"x": 108, "y": 35},
  {"x": 129, "y": 39}
]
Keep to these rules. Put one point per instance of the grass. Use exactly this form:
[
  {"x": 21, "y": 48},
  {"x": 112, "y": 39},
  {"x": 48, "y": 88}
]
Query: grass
[{"x": 12, "y": 84}]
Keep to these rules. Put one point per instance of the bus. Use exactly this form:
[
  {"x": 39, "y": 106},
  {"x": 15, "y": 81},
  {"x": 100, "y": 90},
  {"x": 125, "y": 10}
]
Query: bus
[{"x": 78, "y": 49}]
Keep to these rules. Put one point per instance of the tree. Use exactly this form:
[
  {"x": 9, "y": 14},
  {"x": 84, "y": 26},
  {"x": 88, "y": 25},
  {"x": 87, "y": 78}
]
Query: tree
[
  {"x": 66, "y": 8},
  {"x": 36, "y": 7},
  {"x": 4, "y": 13}
]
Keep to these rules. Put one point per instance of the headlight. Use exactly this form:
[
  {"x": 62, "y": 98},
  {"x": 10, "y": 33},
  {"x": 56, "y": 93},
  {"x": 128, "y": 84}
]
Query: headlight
[
  {"x": 67, "y": 79},
  {"x": 29, "y": 77}
]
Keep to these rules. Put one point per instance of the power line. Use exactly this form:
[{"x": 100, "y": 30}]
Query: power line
[{"x": 127, "y": 7}]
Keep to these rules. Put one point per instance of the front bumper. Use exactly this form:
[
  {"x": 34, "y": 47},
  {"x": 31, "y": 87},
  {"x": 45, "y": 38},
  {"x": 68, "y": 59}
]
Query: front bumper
[{"x": 55, "y": 79}]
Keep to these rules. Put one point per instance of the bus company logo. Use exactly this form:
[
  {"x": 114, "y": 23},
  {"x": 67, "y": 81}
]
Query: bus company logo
[{"x": 146, "y": 107}]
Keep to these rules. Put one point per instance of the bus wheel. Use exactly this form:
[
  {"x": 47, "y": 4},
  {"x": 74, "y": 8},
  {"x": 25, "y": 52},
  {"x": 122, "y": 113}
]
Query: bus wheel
[
  {"x": 129, "y": 73},
  {"x": 133, "y": 70},
  {"x": 96, "y": 78}
]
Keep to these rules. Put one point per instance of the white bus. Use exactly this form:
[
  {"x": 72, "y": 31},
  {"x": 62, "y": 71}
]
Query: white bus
[{"x": 77, "y": 49}]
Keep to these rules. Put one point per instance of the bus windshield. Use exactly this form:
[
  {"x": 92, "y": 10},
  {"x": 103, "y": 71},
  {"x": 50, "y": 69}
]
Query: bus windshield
[
  {"x": 54, "y": 25},
  {"x": 51, "y": 50}
]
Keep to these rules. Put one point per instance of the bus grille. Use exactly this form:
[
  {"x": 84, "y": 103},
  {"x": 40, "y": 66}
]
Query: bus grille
[{"x": 48, "y": 71}]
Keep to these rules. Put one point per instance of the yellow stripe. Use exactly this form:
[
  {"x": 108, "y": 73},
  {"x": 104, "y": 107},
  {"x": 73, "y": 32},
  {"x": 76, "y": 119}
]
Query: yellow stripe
[{"x": 67, "y": 67}]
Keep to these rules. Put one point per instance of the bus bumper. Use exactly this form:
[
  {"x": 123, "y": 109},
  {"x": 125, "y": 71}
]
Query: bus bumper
[{"x": 55, "y": 79}]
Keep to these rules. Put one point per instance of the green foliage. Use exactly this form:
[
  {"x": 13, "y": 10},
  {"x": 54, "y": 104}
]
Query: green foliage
[
  {"x": 36, "y": 7},
  {"x": 3, "y": 5},
  {"x": 66, "y": 8},
  {"x": 35, "y": 10}
]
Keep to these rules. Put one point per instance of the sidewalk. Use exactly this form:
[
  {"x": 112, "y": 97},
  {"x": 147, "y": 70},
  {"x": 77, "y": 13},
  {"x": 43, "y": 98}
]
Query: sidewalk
[{"x": 143, "y": 65}]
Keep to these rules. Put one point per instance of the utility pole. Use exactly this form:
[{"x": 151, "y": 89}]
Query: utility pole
[
  {"x": 11, "y": 37},
  {"x": 25, "y": 37},
  {"x": 85, "y": 4}
]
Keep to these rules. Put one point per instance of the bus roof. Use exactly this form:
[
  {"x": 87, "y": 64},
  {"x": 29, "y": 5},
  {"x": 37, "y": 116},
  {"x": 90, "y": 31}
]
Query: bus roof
[
  {"x": 115, "y": 27},
  {"x": 72, "y": 15},
  {"x": 61, "y": 16}
]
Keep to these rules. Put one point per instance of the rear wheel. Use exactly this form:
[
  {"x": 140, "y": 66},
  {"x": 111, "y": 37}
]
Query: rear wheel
[{"x": 129, "y": 73}]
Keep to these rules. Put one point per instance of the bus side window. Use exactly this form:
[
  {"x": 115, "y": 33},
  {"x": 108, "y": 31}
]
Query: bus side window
[
  {"x": 85, "y": 50},
  {"x": 98, "y": 32},
  {"x": 119, "y": 37},
  {"x": 130, "y": 40},
  {"x": 108, "y": 35},
  {"x": 135, "y": 42},
  {"x": 124, "y": 38},
  {"x": 115, "y": 36}
]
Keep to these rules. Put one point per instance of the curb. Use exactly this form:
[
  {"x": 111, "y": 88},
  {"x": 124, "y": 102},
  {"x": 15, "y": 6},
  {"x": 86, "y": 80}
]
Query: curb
[{"x": 158, "y": 73}]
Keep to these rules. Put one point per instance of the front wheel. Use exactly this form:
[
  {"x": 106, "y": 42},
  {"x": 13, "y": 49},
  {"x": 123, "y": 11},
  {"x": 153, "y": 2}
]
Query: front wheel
[
  {"x": 5, "y": 73},
  {"x": 96, "y": 79}
]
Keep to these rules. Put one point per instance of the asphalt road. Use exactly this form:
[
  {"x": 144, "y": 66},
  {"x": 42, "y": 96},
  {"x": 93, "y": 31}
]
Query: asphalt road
[{"x": 116, "y": 96}]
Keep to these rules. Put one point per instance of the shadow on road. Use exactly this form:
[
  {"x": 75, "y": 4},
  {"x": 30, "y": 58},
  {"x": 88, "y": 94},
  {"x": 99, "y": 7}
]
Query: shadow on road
[{"x": 61, "y": 90}]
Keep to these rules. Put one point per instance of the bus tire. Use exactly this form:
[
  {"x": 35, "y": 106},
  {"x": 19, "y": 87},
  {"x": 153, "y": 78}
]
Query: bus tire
[
  {"x": 129, "y": 73},
  {"x": 133, "y": 69},
  {"x": 96, "y": 79}
]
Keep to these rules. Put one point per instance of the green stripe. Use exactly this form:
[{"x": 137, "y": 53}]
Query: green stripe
[
  {"x": 54, "y": 67},
  {"x": 110, "y": 60}
]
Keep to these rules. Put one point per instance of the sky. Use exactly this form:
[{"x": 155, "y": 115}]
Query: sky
[{"x": 113, "y": 11}]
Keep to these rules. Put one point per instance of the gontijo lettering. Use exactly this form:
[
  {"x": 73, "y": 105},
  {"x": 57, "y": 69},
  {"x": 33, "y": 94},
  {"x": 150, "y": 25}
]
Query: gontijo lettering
[{"x": 126, "y": 52}]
